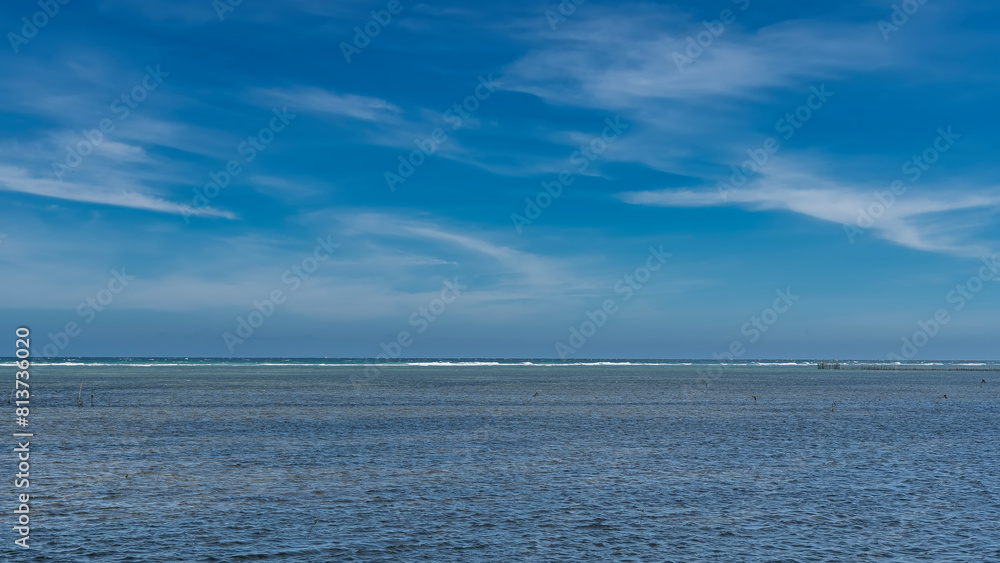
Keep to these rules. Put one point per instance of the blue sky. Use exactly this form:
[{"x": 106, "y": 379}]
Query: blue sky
[{"x": 743, "y": 148}]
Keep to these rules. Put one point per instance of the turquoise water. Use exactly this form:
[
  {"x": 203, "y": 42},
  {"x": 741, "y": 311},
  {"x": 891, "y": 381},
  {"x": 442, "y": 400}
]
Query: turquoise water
[{"x": 324, "y": 462}]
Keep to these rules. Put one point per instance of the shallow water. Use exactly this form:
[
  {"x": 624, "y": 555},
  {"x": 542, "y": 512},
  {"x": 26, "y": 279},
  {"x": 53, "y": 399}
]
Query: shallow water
[{"x": 491, "y": 463}]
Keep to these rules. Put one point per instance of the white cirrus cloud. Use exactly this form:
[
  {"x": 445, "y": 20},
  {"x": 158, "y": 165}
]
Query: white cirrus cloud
[
  {"x": 938, "y": 221},
  {"x": 587, "y": 66},
  {"x": 16, "y": 179},
  {"x": 318, "y": 100}
]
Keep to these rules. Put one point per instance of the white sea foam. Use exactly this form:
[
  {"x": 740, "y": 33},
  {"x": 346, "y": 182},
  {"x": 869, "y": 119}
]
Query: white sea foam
[
  {"x": 440, "y": 363},
  {"x": 455, "y": 363}
]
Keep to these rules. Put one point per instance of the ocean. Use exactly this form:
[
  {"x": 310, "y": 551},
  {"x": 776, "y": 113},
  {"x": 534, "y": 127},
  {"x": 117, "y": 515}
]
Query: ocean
[{"x": 509, "y": 460}]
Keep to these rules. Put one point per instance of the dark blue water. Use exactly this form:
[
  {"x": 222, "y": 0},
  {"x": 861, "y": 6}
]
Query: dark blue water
[{"x": 203, "y": 462}]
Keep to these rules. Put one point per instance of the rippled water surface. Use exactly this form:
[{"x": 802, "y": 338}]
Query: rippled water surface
[{"x": 511, "y": 463}]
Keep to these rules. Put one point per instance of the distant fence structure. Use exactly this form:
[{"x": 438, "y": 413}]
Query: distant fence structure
[{"x": 904, "y": 367}]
